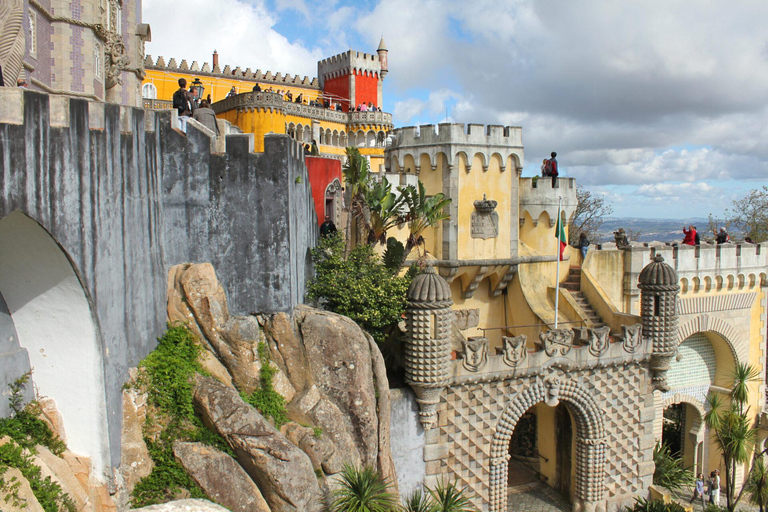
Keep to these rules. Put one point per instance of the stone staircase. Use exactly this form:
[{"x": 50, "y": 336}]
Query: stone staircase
[{"x": 573, "y": 285}]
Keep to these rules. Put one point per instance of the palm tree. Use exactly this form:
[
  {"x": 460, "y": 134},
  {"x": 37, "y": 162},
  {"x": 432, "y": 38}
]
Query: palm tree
[
  {"x": 423, "y": 212},
  {"x": 734, "y": 431},
  {"x": 757, "y": 485},
  {"x": 357, "y": 180},
  {"x": 362, "y": 490},
  {"x": 384, "y": 208}
]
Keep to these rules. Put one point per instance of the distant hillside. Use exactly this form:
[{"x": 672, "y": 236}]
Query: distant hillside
[{"x": 662, "y": 230}]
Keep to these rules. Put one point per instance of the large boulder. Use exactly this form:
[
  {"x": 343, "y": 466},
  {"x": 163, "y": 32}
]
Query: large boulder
[
  {"x": 282, "y": 471},
  {"x": 330, "y": 372},
  {"x": 221, "y": 477},
  {"x": 24, "y": 499},
  {"x": 184, "y": 506},
  {"x": 341, "y": 382}
]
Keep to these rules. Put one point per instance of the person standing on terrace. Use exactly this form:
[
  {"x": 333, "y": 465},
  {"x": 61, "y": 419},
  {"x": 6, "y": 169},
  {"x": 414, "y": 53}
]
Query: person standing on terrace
[
  {"x": 553, "y": 170},
  {"x": 690, "y": 236}
]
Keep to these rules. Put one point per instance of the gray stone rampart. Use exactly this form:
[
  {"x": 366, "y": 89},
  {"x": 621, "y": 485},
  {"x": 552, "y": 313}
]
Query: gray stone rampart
[{"x": 125, "y": 203}]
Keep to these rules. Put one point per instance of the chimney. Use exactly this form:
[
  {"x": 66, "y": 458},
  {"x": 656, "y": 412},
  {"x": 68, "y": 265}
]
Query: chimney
[{"x": 216, "y": 68}]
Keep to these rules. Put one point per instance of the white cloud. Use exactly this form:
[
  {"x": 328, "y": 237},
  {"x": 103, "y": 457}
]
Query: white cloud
[
  {"x": 665, "y": 191},
  {"x": 242, "y": 32}
]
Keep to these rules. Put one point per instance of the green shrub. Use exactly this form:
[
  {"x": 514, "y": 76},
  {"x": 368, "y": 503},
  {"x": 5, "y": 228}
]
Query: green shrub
[
  {"x": 669, "y": 471},
  {"x": 362, "y": 490},
  {"x": 643, "y": 505},
  {"x": 166, "y": 375},
  {"x": 265, "y": 399},
  {"x": 25, "y": 426},
  {"x": 358, "y": 286}
]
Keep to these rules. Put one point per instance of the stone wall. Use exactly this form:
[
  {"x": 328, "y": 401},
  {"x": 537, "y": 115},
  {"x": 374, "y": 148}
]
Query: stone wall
[{"x": 118, "y": 196}]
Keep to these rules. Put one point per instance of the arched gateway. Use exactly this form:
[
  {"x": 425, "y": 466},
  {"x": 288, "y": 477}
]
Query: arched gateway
[{"x": 590, "y": 441}]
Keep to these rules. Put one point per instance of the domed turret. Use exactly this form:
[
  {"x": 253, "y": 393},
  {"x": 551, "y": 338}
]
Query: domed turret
[
  {"x": 427, "y": 346},
  {"x": 659, "y": 286}
]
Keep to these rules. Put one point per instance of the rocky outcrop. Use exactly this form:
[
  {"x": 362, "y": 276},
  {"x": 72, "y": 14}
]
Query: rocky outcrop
[
  {"x": 135, "y": 461},
  {"x": 282, "y": 471},
  {"x": 330, "y": 372},
  {"x": 221, "y": 477},
  {"x": 184, "y": 506},
  {"x": 23, "y": 500}
]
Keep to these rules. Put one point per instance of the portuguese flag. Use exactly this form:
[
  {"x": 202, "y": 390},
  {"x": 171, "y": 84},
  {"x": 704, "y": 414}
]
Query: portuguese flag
[{"x": 560, "y": 235}]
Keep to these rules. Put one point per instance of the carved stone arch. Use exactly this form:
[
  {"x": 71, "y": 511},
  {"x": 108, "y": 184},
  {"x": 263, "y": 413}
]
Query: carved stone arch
[
  {"x": 590, "y": 439},
  {"x": 409, "y": 163},
  {"x": 483, "y": 160},
  {"x": 461, "y": 155},
  {"x": 513, "y": 163},
  {"x": 763, "y": 279},
  {"x": 752, "y": 280},
  {"x": 441, "y": 155},
  {"x": 709, "y": 323},
  {"x": 500, "y": 159},
  {"x": 682, "y": 398},
  {"x": 425, "y": 161}
]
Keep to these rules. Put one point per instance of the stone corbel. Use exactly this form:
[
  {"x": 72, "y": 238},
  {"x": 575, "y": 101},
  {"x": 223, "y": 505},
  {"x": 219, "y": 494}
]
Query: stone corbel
[
  {"x": 448, "y": 273},
  {"x": 485, "y": 168},
  {"x": 502, "y": 284},
  {"x": 552, "y": 221},
  {"x": 469, "y": 291},
  {"x": 519, "y": 171},
  {"x": 428, "y": 398}
]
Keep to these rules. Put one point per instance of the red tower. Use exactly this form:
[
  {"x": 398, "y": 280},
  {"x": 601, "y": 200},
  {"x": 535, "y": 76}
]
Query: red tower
[{"x": 353, "y": 78}]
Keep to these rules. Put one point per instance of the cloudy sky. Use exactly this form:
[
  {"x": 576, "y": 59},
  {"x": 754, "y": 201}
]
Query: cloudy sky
[{"x": 660, "y": 106}]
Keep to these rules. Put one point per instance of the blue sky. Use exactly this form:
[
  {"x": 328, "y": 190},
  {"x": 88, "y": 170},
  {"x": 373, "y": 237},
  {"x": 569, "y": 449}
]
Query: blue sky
[{"x": 659, "y": 106}]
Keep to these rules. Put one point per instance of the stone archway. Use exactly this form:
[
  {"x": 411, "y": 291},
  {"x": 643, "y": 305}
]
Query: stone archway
[
  {"x": 709, "y": 323},
  {"x": 53, "y": 318},
  {"x": 590, "y": 441},
  {"x": 697, "y": 433}
]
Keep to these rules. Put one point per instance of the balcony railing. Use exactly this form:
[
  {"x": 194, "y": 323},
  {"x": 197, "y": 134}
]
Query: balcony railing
[{"x": 157, "y": 104}]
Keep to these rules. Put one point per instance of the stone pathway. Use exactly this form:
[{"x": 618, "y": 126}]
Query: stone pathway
[
  {"x": 543, "y": 498},
  {"x": 743, "y": 506}
]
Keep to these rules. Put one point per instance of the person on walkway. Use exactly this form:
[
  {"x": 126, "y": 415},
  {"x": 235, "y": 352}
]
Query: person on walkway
[
  {"x": 207, "y": 117},
  {"x": 690, "y": 236},
  {"x": 257, "y": 88},
  {"x": 544, "y": 168},
  {"x": 722, "y": 236},
  {"x": 232, "y": 92},
  {"x": 315, "y": 150},
  {"x": 327, "y": 227},
  {"x": 698, "y": 490},
  {"x": 583, "y": 245},
  {"x": 697, "y": 238},
  {"x": 553, "y": 171},
  {"x": 181, "y": 102},
  {"x": 714, "y": 493}
]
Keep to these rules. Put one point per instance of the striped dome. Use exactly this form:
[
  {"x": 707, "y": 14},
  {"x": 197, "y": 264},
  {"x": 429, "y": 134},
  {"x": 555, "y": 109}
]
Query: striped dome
[
  {"x": 658, "y": 273},
  {"x": 429, "y": 287}
]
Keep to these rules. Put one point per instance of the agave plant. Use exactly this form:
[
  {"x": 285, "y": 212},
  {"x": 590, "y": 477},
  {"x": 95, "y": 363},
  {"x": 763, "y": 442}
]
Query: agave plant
[
  {"x": 757, "y": 485},
  {"x": 419, "y": 502},
  {"x": 362, "y": 490},
  {"x": 669, "y": 472},
  {"x": 450, "y": 498}
]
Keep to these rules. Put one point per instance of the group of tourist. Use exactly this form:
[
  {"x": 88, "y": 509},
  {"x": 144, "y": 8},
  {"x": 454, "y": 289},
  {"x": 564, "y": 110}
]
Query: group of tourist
[
  {"x": 692, "y": 236},
  {"x": 713, "y": 488},
  {"x": 189, "y": 105},
  {"x": 549, "y": 168},
  {"x": 367, "y": 107}
]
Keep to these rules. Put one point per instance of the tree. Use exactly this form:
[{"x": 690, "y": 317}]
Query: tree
[
  {"x": 750, "y": 214},
  {"x": 757, "y": 486},
  {"x": 589, "y": 214},
  {"x": 423, "y": 212},
  {"x": 734, "y": 430},
  {"x": 358, "y": 286},
  {"x": 357, "y": 179}
]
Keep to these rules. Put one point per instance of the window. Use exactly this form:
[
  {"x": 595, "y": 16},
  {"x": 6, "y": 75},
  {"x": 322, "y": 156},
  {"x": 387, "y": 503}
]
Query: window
[
  {"x": 32, "y": 33},
  {"x": 98, "y": 66},
  {"x": 118, "y": 18},
  {"x": 149, "y": 92}
]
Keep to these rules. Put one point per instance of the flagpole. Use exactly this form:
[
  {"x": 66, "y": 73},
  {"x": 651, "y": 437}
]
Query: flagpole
[{"x": 558, "y": 227}]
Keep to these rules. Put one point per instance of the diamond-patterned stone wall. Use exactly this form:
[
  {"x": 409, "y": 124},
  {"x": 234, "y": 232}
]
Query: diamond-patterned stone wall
[{"x": 469, "y": 416}]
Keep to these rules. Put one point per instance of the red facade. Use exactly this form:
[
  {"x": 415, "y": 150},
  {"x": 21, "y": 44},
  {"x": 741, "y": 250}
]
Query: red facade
[
  {"x": 338, "y": 87},
  {"x": 366, "y": 88},
  {"x": 322, "y": 172}
]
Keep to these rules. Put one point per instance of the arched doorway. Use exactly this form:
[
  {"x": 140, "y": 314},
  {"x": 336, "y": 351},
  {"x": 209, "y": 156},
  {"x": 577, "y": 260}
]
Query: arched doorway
[
  {"x": 334, "y": 201},
  {"x": 52, "y": 316},
  {"x": 683, "y": 431},
  {"x": 541, "y": 451},
  {"x": 589, "y": 440}
]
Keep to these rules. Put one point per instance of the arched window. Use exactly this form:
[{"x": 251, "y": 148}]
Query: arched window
[{"x": 149, "y": 92}]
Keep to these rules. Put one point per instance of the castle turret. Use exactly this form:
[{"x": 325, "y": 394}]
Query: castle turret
[
  {"x": 382, "y": 51},
  {"x": 352, "y": 78},
  {"x": 659, "y": 286},
  {"x": 427, "y": 348}
]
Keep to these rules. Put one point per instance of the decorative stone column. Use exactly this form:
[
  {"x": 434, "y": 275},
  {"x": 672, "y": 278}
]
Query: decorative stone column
[
  {"x": 427, "y": 347},
  {"x": 659, "y": 286}
]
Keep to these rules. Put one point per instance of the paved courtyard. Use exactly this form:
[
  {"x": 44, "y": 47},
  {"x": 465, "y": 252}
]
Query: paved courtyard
[{"x": 542, "y": 498}]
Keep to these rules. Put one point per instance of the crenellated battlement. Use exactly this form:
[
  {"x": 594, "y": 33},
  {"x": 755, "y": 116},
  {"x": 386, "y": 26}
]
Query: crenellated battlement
[
  {"x": 228, "y": 72},
  {"x": 349, "y": 62},
  {"x": 456, "y": 134}
]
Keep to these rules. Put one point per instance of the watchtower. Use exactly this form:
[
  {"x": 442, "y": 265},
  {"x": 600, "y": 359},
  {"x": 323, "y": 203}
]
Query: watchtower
[{"x": 352, "y": 77}]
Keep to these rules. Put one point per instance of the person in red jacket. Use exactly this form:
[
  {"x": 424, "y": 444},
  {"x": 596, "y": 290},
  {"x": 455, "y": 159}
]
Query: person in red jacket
[{"x": 690, "y": 235}]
